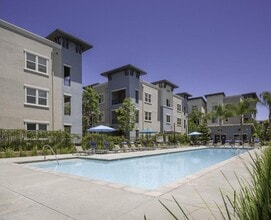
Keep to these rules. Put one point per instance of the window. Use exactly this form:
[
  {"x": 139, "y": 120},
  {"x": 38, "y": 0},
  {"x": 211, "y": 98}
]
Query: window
[
  {"x": 137, "y": 116},
  {"x": 35, "y": 96},
  {"x": 36, "y": 63},
  {"x": 67, "y": 105},
  {"x": 147, "y": 116},
  {"x": 184, "y": 110},
  {"x": 147, "y": 97},
  {"x": 179, "y": 107},
  {"x": 32, "y": 126},
  {"x": 114, "y": 117},
  {"x": 168, "y": 118},
  {"x": 168, "y": 103},
  {"x": 67, "y": 128},
  {"x": 179, "y": 122},
  {"x": 136, "y": 96},
  {"x": 67, "y": 76},
  {"x": 118, "y": 96},
  {"x": 101, "y": 98}
]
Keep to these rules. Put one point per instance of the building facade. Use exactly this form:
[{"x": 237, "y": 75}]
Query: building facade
[
  {"x": 158, "y": 108},
  {"x": 230, "y": 128},
  {"x": 40, "y": 80}
]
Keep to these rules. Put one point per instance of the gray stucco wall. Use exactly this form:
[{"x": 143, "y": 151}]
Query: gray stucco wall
[{"x": 74, "y": 61}]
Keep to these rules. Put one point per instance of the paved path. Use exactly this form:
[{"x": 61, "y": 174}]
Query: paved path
[{"x": 27, "y": 193}]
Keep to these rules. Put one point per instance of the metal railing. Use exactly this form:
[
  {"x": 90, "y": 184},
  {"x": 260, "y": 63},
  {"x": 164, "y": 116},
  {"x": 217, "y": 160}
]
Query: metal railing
[{"x": 48, "y": 146}]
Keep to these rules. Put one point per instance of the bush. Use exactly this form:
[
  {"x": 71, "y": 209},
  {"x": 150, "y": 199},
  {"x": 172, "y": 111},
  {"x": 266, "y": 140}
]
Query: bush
[{"x": 21, "y": 142}]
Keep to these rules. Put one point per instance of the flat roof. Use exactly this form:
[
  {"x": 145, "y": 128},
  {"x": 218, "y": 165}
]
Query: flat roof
[
  {"x": 195, "y": 98},
  {"x": 126, "y": 67},
  {"x": 11, "y": 27},
  {"x": 214, "y": 94},
  {"x": 250, "y": 95},
  {"x": 167, "y": 82},
  {"x": 60, "y": 33},
  {"x": 184, "y": 94}
]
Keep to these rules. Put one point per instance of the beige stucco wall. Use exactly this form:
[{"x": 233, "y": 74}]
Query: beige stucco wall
[
  {"x": 14, "y": 78},
  {"x": 150, "y": 107}
]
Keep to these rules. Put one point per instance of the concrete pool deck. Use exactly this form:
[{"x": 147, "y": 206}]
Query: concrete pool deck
[{"x": 27, "y": 193}]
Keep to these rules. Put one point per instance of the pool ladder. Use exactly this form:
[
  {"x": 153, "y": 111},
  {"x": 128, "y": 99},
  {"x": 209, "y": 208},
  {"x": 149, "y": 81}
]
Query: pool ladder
[{"x": 48, "y": 146}]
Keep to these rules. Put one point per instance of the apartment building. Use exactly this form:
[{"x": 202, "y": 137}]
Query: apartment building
[
  {"x": 158, "y": 108},
  {"x": 230, "y": 128},
  {"x": 40, "y": 80}
]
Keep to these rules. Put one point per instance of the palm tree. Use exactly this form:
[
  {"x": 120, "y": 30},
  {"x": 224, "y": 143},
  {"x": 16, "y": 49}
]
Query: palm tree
[
  {"x": 266, "y": 101},
  {"x": 221, "y": 113},
  {"x": 243, "y": 108}
]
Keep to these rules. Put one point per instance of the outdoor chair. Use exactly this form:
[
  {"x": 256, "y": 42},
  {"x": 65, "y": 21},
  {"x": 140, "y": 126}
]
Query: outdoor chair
[
  {"x": 133, "y": 147},
  {"x": 140, "y": 147},
  {"x": 246, "y": 144},
  {"x": 116, "y": 148},
  {"x": 81, "y": 151},
  {"x": 227, "y": 143},
  {"x": 125, "y": 147},
  {"x": 92, "y": 146}
]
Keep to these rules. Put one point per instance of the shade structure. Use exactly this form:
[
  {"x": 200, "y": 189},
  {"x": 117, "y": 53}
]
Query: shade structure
[
  {"x": 148, "y": 131},
  {"x": 101, "y": 129},
  {"x": 195, "y": 133}
]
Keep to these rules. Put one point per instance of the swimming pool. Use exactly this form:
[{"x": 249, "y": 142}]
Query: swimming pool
[{"x": 149, "y": 172}]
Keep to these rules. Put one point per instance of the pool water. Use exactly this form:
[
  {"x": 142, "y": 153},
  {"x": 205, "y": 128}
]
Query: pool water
[{"x": 149, "y": 172}]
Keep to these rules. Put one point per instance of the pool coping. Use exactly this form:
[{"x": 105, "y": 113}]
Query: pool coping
[{"x": 154, "y": 192}]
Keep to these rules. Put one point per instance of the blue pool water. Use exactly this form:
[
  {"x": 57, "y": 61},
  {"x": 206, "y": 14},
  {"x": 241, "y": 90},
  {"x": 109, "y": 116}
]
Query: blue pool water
[{"x": 148, "y": 172}]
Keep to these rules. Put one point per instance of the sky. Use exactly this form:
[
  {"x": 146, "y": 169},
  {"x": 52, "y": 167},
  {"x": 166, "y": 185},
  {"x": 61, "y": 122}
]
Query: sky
[{"x": 203, "y": 46}]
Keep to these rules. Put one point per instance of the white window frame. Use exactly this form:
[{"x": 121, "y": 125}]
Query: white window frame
[
  {"x": 37, "y": 56},
  {"x": 148, "y": 116},
  {"x": 168, "y": 117},
  {"x": 147, "y": 98},
  {"x": 179, "y": 122},
  {"x": 179, "y": 107},
  {"x": 37, "y": 89},
  {"x": 37, "y": 123}
]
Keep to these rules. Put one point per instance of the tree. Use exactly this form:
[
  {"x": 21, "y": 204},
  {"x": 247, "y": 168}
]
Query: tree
[
  {"x": 126, "y": 115},
  {"x": 243, "y": 108},
  {"x": 197, "y": 121},
  {"x": 221, "y": 113},
  {"x": 90, "y": 108},
  {"x": 266, "y": 101},
  {"x": 194, "y": 120}
]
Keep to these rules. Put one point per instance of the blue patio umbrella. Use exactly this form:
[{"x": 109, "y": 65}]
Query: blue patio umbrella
[
  {"x": 101, "y": 129},
  {"x": 194, "y": 133}
]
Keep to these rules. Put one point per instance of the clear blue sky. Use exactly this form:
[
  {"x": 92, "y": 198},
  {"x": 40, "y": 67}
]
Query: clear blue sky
[{"x": 204, "y": 46}]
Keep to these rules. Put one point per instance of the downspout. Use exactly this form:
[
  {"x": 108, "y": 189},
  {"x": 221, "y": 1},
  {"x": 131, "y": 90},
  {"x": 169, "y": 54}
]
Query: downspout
[{"x": 52, "y": 95}]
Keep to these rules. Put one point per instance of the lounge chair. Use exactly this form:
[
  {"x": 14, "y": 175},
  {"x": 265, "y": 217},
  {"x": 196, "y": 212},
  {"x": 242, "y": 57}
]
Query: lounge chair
[
  {"x": 125, "y": 147},
  {"x": 227, "y": 143},
  {"x": 92, "y": 146},
  {"x": 81, "y": 151},
  {"x": 133, "y": 147},
  {"x": 246, "y": 144},
  {"x": 257, "y": 144},
  {"x": 140, "y": 147},
  {"x": 116, "y": 148}
]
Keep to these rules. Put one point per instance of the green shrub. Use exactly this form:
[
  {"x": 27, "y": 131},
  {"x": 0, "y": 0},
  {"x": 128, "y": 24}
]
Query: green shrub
[{"x": 9, "y": 153}]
